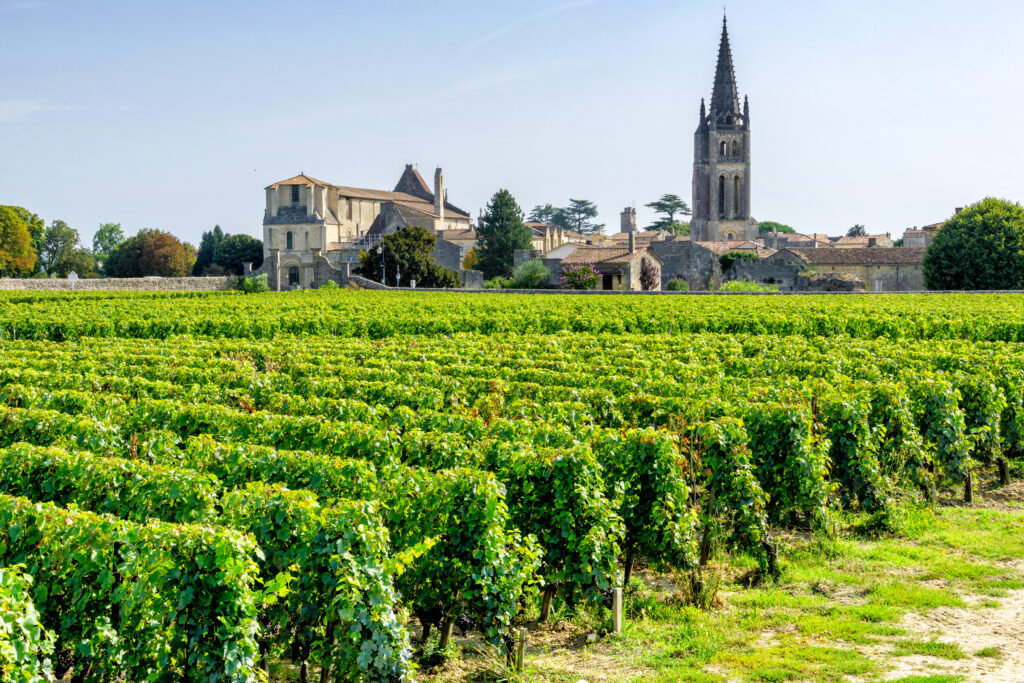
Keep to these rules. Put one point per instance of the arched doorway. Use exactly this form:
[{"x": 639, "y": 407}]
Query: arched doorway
[{"x": 293, "y": 276}]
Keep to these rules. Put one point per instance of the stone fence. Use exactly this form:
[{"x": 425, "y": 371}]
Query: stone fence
[{"x": 131, "y": 284}]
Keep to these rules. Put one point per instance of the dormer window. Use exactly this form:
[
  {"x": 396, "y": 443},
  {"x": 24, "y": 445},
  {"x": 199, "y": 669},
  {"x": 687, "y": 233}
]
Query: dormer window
[{"x": 295, "y": 194}]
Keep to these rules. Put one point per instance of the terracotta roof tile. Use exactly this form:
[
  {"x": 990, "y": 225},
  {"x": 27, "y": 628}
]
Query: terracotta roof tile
[{"x": 607, "y": 256}]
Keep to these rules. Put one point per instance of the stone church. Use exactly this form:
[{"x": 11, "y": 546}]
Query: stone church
[
  {"x": 311, "y": 227},
  {"x": 721, "y": 160}
]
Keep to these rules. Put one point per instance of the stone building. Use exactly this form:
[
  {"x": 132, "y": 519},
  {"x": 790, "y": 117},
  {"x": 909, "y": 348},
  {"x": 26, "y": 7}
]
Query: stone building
[
  {"x": 880, "y": 270},
  {"x": 310, "y": 226},
  {"x": 721, "y": 160},
  {"x": 921, "y": 237}
]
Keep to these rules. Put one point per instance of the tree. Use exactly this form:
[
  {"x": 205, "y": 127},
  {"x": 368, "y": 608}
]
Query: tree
[
  {"x": 501, "y": 233},
  {"x": 235, "y": 250},
  {"x": 107, "y": 238},
  {"x": 59, "y": 242},
  {"x": 579, "y": 215},
  {"x": 470, "y": 260},
  {"x": 207, "y": 249},
  {"x": 543, "y": 214},
  {"x": 856, "y": 231},
  {"x": 81, "y": 261},
  {"x": 771, "y": 226},
  {"x": 677, "y": 228},
  {"x": 982, "y": 247},
  {"x": 649, "y": 277},
  {"x": 151, "y": 252},
  {"x": 17, "y": 257},
  {"x": 36, "y": 230},
  {"x": 405, "y": 256},
  {"x": 667, "y": 207}
]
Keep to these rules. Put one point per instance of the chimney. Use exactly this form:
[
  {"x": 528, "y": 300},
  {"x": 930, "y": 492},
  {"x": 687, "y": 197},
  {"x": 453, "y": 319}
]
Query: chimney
[
  {"x": 628, "y": 219},
  {"x": 439, "y": 196},
  {"x": 632, "y": 241}
]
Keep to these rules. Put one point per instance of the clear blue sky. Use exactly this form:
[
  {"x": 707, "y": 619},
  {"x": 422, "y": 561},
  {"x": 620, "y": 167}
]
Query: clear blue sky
[{"x": 175, "y": 114}]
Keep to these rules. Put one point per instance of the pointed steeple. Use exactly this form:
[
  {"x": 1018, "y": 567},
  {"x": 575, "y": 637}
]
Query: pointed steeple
[{"x": 724, "y": 97}]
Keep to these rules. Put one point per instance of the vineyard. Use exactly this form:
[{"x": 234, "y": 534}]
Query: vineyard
[{"x": 205, "y": 487}]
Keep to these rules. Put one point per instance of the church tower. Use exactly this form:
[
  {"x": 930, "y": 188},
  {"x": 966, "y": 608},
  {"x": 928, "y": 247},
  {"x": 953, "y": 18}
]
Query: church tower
[{"x": 721, "y": 160}]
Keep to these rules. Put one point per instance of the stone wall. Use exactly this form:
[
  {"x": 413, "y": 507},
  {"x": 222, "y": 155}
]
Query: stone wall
[
  {"x": 689, "y": 261},
  {"x": 448, "y": 255},
  {"x": 143, "y": 284},
  {"x": 787, "y": 276}
]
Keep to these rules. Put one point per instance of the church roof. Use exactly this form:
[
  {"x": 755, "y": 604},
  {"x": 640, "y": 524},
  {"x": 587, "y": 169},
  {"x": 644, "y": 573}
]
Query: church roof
[
  {"x": 422, "y": 200},
  {"x": 725, "y": 97}
]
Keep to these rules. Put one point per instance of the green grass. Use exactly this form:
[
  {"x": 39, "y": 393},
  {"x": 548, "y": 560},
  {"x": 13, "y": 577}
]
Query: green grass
[
  {"x": 940, "y": 678},
  {"x": 993, "y": 652},
  {"x": 838, "y": 601},
  {"x": 928, "y": 648}
]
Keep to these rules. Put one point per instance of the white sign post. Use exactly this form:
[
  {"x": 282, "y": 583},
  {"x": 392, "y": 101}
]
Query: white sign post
[{"x": 72, "y": 278}]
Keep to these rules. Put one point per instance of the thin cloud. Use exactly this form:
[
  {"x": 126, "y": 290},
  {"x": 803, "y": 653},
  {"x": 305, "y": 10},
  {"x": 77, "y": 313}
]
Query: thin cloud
[
  {"x": 537, "y": 16},
  {"x": 20, "y": 5},
  {"x": 19, "y": 110}
]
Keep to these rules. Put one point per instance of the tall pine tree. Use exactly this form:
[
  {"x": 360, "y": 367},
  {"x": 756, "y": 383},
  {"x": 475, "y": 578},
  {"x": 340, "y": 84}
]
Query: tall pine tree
[
  {"x": 501, "y": 233},
  {"x": 207, "y": 249}
]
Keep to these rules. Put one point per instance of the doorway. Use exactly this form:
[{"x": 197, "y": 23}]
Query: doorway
[{"x": 608, "y": 281}]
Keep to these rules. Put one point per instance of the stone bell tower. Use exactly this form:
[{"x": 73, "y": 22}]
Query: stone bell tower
[{"x": 721, "y": 160}]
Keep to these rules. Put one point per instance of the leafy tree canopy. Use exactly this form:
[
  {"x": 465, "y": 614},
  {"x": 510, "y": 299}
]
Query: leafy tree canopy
[
  {"x": 207, "y": 249},
  {"x": 579, "y": 217},
  {"x": 17, "y": 257},
  {"x": 772, "y": 226},
  {"x": 543, "y": 214},
  {"x": 151, "y": 252},
  {"x": 667, "y": 208},
  {"x": 501, "y": 233},
  {"x": 857, "y": 231},
  {"x": 80, "y": 260},
  {"x": 405, "y": 256},
  {"x": 59, "y": 242},
  {"x": 107, "y": 238},
  {"x": 36, "y": 230},
  {"x": 982, "y": 247},
  {"x": 234, "y": 250}
]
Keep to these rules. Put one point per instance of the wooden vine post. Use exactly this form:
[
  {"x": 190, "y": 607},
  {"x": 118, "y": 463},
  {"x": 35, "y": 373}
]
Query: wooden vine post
[
  {"x": 1004, "y": 471},
  {"x": 617, "y": 611},
  {"x": 520, "y": 649},
  {"x": 969, "y": 487}
]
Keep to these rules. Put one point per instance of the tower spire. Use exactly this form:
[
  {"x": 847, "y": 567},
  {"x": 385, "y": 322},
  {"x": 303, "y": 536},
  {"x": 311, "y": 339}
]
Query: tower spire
[{"x": 724, "y": 97}]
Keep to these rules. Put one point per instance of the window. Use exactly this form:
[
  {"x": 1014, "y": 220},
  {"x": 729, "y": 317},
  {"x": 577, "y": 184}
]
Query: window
[
  {"x": 289, "y": 241},
  {"x": 735, "y": 148},
  {"x": 295, "y": 194},
  {"x": 736, "y": 196},
  {"x": 721, "y": 195},
  {"x": 725, "y": 148}
]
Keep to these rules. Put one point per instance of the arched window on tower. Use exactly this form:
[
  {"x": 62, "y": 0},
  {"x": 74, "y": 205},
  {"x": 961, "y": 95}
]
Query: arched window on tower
[
  {"x": 289, "y": 241},
  {"x": 721, "y": 195},
  {"x": 736, "y": 196},
  {"x": 735, "y": 148},
  {"x": 725, "y": 148}
]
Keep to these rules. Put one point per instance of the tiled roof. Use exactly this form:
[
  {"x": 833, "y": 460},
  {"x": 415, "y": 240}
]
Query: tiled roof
[
  {"x": 607, "y": 256},
  {"x": 739, "y": 245},
  {"x": 418, "y": 203},
  {"x": 468, "y": 234},
  {"x": 301, "y": 179},
  {"x": 858, "y": 257}
]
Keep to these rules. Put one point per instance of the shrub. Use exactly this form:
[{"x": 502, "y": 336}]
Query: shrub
[
  {"x": 727, "y": 260},
  {"x": 580, "y": 276},
  {"x": 256, "y": 284},
  {"x": 330, "y": 284},
  {"x": 532, "y": 274},
  {"x": 678, "y": 285},
  {"x": 498, "y": 282},
  {"x": 22, "y": 638},
  {"x": 746, "y": 286}
]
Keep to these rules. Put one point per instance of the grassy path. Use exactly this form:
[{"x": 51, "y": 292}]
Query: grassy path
[{"x": 942, "y": 601}]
